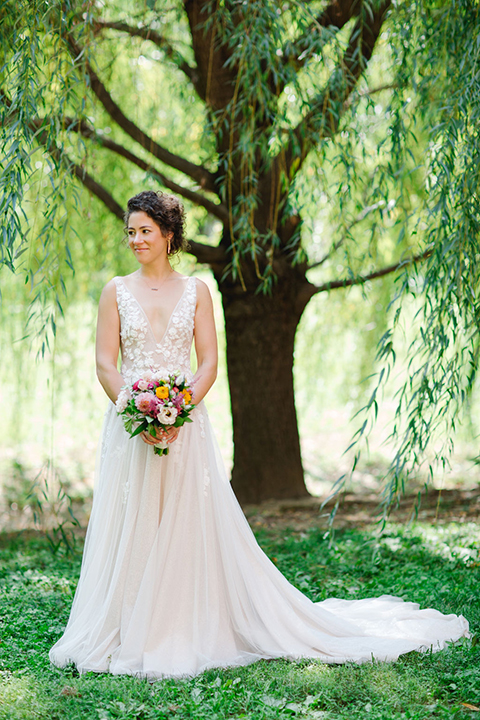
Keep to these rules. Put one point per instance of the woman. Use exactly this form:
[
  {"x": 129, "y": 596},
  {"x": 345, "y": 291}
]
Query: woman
[{"x": 172, "y": 580}]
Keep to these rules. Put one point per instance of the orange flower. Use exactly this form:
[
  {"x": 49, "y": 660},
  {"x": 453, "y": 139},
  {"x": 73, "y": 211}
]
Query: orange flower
[
  {"x": 187, "y": 397},
  {"x": 162, "y": 392}
]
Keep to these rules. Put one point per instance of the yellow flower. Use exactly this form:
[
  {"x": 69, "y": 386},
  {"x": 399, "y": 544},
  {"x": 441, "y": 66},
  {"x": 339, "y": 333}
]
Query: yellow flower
[
  {"x": 187, "y": 397},
  {"x": 162, "y": 392}
]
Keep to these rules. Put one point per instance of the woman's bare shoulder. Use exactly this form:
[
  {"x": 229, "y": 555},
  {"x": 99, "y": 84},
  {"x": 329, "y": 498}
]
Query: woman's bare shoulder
[
  {"x": 204, "y": 297},
  {"x": 112, "y": 284},
  {"x": 122, "y": 278},
  {"x": 202, "y": 287},
  {"x": 109, "y": 292}
]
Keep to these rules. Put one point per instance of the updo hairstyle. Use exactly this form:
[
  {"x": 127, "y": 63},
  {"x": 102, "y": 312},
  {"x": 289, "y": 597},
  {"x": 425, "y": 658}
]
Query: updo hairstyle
[{"x": 166, "y": 211}]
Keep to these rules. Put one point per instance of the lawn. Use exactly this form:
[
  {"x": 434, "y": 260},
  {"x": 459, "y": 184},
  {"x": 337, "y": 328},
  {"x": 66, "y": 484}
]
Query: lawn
[{"x": 433, "y": 565}]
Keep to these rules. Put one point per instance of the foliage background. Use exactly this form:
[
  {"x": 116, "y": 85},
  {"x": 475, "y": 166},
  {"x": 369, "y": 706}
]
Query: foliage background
[{"x": 57, "y": 406}]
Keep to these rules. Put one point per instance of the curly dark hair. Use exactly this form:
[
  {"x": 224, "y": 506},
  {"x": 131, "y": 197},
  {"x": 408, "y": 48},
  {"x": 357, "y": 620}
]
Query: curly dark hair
[{"x": 166, "y": 211}]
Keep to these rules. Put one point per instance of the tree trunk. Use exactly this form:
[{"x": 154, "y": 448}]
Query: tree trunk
[{"x": 260, "y": 334}]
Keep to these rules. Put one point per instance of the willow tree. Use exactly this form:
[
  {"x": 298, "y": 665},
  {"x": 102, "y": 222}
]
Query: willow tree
[{"x": 279, "y": 88}]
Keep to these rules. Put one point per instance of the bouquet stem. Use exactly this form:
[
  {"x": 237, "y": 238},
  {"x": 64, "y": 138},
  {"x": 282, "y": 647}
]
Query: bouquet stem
[{"x": 159, "y": 450}]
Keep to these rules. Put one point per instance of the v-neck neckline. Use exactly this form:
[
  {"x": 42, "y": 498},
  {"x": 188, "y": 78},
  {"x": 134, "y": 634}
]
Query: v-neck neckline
[{"x": 159, "y": 342}]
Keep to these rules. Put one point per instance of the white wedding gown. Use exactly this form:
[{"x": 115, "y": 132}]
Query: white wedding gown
[{"x": 173, "y": 581}]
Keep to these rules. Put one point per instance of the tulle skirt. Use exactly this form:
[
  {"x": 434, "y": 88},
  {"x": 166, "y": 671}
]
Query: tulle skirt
[{"x": 173, "y": 581}]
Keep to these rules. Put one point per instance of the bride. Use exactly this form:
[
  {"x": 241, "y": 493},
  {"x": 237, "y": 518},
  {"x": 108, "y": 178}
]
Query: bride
[{"x": 172, "y": 579}]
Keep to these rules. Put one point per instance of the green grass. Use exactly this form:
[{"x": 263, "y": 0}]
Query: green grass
[{"x": 433, "y": 566}]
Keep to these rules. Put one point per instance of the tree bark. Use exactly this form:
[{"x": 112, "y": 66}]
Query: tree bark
[{"x": 260, "y": 333}]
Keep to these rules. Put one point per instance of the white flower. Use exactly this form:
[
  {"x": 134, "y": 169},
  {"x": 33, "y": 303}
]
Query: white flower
[
  {"x": 142, "y": 385},
  {"x": 122, "y": 400},
  {"x": 180, "y": 379},
  {"x": 161, "y": 376},
  {"x": 167, "y": 415},
  {"x": 148, "y": 376}
]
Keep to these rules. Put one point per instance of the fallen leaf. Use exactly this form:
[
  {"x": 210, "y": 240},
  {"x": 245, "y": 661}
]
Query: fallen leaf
[
  {"x": 295, "y": 707},
  {"x": 69, "y": 691},
  {"x": 471, "y": 707},
  {"x": 273, "y": 701}
]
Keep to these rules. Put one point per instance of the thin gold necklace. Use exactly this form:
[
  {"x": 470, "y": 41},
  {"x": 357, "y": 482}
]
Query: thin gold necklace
[{"x": 155, "y": 289}]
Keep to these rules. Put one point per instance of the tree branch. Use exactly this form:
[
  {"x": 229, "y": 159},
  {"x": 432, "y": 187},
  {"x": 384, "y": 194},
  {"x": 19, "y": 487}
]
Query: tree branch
[
  {"x": 323, "y": 118},
  {"x": 159, "y": 40},
  {"x": 361, "y": 216},
  {"x": 361, "y": 279},
  {"x": 207, "y": 254},
  {"x": 198, "y": 173},
  {"x": 95, "y": 188},
  {"x": 85, "y": 178},
  {"x": 372, "y": 91},
  {"x": 217, "y": 74},
  {"x": 334, "y": 17},
  {"x": 82, "y": 127}
]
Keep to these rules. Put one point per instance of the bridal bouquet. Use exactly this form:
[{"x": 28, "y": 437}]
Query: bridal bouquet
[{"x": 157, "y": 400}]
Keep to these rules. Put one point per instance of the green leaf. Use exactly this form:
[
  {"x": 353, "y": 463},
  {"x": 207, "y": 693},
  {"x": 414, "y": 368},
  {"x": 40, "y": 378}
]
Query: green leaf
[{"x": 143, "y": 426}]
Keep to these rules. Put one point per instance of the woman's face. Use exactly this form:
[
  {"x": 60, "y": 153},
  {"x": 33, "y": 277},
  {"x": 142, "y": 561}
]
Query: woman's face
[{"x": 146, "y": 240}]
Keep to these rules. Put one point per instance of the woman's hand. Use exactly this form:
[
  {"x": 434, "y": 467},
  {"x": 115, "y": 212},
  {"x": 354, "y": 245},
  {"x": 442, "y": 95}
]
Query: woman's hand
[{"x": 162, "y": 435}]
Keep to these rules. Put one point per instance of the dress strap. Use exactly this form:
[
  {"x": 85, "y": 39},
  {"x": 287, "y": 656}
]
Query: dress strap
[{"x": 192, "y": 295}]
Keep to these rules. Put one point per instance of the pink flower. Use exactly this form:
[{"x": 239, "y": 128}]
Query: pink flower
[
  {"x": 155, "y": 405},
  {"x": 143, "y": 384},
  {"x": 143, "y": 402}
]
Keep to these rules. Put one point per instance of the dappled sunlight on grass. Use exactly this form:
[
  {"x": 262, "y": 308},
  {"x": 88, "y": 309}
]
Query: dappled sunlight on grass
[
  {"x": 423, "y": 563},
  {"x": 451, "y": 542},
  {"x": 378, "y": 683},
  {"x": 20, "y": 697}
]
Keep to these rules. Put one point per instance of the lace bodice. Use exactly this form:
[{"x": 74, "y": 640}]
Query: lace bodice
[{"x": 140, "y": 350}]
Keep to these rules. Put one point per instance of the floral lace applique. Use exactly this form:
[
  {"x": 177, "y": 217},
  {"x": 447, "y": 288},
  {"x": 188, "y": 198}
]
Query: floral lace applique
[
  {"x": 106, "y": 436},
  {"x": 206, "y": 479},
  {"x": 133, "y": 329},
  {"x": 126, "y": 492},
  {"x": 201, "y": 422},
  {"x": 140, "y": 351}
]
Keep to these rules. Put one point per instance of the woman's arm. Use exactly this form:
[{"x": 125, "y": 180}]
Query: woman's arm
[
  {"x": 108, "y": 342},
  {"x": 205, "y": 344}
]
